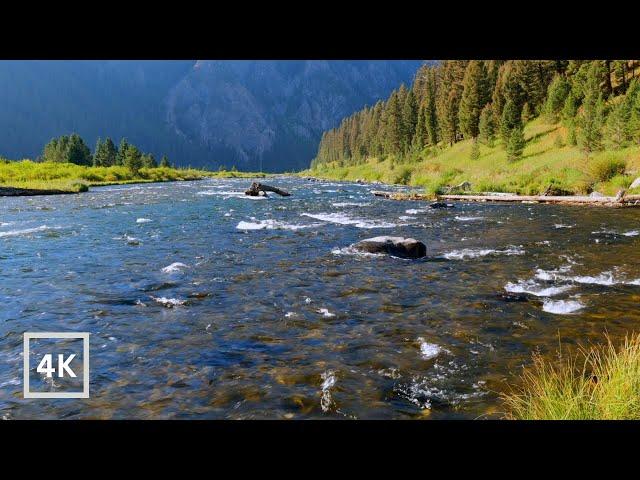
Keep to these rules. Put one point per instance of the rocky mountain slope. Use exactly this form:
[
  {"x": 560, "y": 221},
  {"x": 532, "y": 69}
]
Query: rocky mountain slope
[{"x": 205, "y": 113}]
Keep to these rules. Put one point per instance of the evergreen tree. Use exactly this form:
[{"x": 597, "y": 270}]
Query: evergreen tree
[
  {"x": 67, "y": 149},
  {"x": 617, "y": 125},
  {"x": 557, "y": 94},
  {"x": 132, "y": 159},
  {"x": 527, "y": 114},
  {"x": 164, "y": 162},
  {"x": 149, "y": 161},
  {"x": 475, "y": 149},
  {"x": 392, "y": 125},
  {"x": 633, "y": 104},
  {"x": 487, "y": 127},
  {"x": 591, "y": 117},
  {"x": 122, "y": 152},
  {"x": 409, "y": 121},
  {"x": 97, "y": 154},
  {"x": 516, "y": 143},
  {"x": 475, "y": 95},
  {"x": 78, "y": 152},
  {"x": 510, "y": 120},
  {"x": 570, "y": 109},
  {"x": 421, "y": 137},
  {"x": 431, "y": 119},
  {"x": 109, "y": 153}
]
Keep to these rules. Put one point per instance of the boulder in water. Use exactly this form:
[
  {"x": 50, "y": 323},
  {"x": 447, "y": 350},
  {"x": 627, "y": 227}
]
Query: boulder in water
[
  {"x": 512, "y": 297},
  {"x": 441, "y": 205},
  {"x": 395, "y": 246}
]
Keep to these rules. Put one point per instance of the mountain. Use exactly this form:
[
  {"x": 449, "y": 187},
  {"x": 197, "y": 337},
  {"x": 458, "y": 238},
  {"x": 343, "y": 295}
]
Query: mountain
[{"x": 202, "y": 113}]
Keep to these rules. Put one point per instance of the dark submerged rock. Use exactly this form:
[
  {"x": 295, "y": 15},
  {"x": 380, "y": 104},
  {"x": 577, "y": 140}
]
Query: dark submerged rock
[
  {"x": 442, "y": 205},
  {"x": 394, "y": 246},
  {"x": 512, "y": 297}
]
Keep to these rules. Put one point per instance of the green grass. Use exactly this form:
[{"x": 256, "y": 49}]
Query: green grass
[
  {"x": 76, "y": 178},
  {"x": 598, "y": 383},
  {"x": 547, "y": 160}
]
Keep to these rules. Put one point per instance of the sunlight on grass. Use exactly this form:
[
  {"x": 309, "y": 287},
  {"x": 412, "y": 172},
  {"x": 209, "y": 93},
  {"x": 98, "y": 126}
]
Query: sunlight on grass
[
  {"x": 598, "y": 383},
  {"x": 547, "y": 160},
  {"x": 74, "y": 178}
]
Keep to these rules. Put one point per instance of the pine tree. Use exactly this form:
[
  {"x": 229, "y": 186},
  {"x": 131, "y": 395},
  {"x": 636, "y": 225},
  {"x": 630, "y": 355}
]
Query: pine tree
[
  {"x": 409, "y": 121},
  {"x": 591, "y": 117},
  {"x": 97, "y": 154},
  {"x": 527, "y": 114},
  {"x": 570, "y": 109},
  {"x": 510, "y": 120},
  {"x": 164, "y": 162},
  {"x": 110, "y": 153},
  {"x": 475, "y": 149},
  {"x": 516, "y": 143},
  {"x": 431, "y": 118},
  {"x": 392, "y": 125},
  {"x": 149, "y": 161},
  {"x": 474, "y": 97},
  {"x": 633, "y": 103},
  {"x": 557, "y": 94},
  {"x": 616, "y": 127},
  {"x": 122, "y": 152},
  {"x": 487, "y": 127},
  {"x": 132, "y": 159},
  {"x": 421, "y": 137}
]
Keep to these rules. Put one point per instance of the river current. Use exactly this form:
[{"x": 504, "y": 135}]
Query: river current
[{"x": 203, "y": 303}]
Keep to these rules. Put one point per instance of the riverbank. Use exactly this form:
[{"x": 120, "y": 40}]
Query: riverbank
[
  {"x": 596, "y": 383},
  {"x": 26, "y": 178},
  {"x": 547, "y": 161}
]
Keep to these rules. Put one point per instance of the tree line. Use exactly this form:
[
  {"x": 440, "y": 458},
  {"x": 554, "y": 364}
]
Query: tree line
[
  {"x": 72, "y": 149},
  {"x": 598, "y": 101}
]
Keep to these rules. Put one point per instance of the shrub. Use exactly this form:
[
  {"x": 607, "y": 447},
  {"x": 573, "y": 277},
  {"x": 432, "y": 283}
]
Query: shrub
[
  {"x": 603, "y": 170},
  {"x": 598, "y": 383}
]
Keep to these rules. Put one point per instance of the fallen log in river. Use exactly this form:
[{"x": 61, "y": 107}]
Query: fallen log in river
[
  {"x": 620, "y": 200},
  {"x": 258, "y": 188}
]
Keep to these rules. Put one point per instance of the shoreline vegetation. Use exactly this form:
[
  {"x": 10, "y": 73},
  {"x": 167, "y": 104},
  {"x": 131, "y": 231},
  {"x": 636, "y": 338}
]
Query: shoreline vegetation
[
  {"x": 544, "y": 164},
  {"x": 524, "y": 127},
  {"x": 600, "y": 382},
  {"x": 25, "y": 178},
  {"x": 66, "y": 165}
]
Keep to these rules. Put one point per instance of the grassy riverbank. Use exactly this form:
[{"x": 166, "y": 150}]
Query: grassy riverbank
[
  {"x": 599, "y": 383},
  {"x": 69, "y": 177},
  {"x": 547, "y": 160}
]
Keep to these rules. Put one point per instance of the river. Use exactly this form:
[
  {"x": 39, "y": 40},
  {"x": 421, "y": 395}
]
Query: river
[{"x": 202, "y": 303}]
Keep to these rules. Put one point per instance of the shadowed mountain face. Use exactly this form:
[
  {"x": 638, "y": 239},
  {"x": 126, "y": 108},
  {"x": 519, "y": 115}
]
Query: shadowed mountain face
[{"x": 206, "y": 113}]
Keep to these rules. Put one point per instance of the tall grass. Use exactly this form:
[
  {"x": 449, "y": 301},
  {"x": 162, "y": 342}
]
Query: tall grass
[
  {"x": 547, "y": 160},
  {"x": 598, "y": 383},
  {"x": 71, "y": 177}
]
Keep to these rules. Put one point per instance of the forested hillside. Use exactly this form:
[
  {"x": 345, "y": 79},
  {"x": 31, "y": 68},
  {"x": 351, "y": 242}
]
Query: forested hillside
[
  {"x": 251, "y": 114},
  {"x": 512, "y": 125}
]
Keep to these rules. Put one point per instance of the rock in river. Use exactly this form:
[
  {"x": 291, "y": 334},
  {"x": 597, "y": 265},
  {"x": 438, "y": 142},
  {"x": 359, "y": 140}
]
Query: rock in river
[{"x": 394, "y": 246}]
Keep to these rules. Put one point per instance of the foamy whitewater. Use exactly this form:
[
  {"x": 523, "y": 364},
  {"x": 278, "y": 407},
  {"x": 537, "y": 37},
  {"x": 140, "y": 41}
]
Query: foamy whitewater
[
  {"x": 343, "y": 219},
  {"x": 562, "y": 307},
  {"x": 26, "y": 231},
  {"x": 270, "y": 224},
  {"x": 466, "y": 253},
  {"x": 428, "y": 350},
  {"x": 532, "y": 288},
  {"x": 174, "y": 267}
]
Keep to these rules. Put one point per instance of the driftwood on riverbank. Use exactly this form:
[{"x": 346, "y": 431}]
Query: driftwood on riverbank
[
  {"x": 28, "y": 192},
  {"x": 620, "y": 200},
  {"x": 256, "y": 188},
  {"x": 402, "y": 196},
  {"x": 617, "y": 201}
]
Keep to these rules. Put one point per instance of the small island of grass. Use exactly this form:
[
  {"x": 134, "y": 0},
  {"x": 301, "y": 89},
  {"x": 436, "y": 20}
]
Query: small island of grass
[{"x": 68, "y": 166}]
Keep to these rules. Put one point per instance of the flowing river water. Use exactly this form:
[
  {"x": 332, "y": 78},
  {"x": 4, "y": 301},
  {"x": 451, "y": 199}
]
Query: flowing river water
[{"x": 204, "y": 303}]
